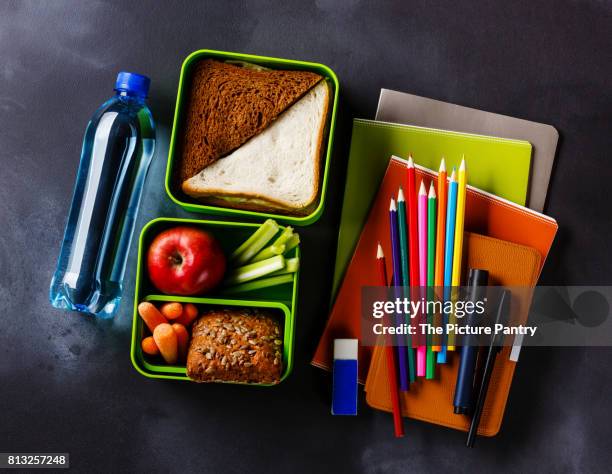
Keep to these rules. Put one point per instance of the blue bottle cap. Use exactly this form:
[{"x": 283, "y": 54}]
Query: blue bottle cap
[{"x": 133, "y": 83}]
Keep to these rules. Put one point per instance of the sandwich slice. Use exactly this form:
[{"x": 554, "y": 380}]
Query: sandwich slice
[
  {"x": 277, "y": 170},
  {"x": 229, "y": 104}
]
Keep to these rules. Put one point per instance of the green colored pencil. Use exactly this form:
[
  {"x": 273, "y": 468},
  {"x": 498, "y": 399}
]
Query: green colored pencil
[
  {"x": 430, "y": 368},
  {"x": 404, "y": 262}
]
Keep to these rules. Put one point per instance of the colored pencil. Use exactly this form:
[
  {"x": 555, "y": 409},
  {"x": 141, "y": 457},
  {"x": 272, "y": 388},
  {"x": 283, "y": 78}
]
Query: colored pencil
[
  {"x": 451, "y": 212},
  {"x": 440, "y": 232},
  {"x": 458, "y": 246},
  {"x": 395, "y": 255},
  {"x": 431, "y": 260},
  {"x": 413, "y": 225},
  {"x": 423, "y": 203},
  {"x": 403, "y": 236},
  {"x": 403, "y": 239},
  {"x": 398, "y": 423},
  {"x": 422, "y": 214}
]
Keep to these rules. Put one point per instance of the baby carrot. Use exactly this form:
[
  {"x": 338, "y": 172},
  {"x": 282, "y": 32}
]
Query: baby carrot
[
  {"x": 182, "y": 337},
  {"x": 150, "y": 315},
  {"x": 167, "y": 342},
  {"x": 172, "y": 310},
  {"x": 149, "y": 346},
  {"x": 190, "y": 312}
]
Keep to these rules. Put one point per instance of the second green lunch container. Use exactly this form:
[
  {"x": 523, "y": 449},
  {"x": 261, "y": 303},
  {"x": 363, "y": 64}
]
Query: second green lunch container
[{"x": 281, "y": 299}]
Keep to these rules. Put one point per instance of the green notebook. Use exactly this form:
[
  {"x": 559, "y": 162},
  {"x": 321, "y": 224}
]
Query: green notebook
[{"x": 497, "y": 165}]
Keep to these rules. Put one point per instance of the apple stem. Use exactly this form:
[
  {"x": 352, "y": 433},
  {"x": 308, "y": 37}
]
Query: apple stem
[{"x": 176, "y": 258}]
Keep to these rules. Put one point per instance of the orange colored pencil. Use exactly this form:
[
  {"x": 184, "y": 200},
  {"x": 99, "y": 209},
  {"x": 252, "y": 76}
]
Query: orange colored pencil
[{"x": 440, "y": 232}]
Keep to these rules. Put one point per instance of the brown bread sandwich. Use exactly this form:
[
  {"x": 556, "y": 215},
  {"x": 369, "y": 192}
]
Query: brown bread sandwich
[{"x": 229, "y": 104}]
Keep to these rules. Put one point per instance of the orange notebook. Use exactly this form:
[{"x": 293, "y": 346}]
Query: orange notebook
[
  {"x": 486, "y": 214},
  {"x": 432, "y": 400}
]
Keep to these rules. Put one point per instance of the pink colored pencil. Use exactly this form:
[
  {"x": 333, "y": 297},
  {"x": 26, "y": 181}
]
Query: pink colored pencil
[{"x": 422, "y": 348}]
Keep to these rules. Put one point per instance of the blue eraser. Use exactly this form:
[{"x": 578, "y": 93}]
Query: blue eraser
[{"x": 344, "y": 391}]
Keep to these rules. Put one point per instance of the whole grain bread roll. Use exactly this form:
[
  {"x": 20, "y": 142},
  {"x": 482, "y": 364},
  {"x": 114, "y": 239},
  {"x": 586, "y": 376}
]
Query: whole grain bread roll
[{"x": 235, "y": 345}]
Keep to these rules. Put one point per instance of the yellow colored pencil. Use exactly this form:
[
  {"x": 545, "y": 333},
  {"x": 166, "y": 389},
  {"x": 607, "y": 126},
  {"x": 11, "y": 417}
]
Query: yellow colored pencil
[{"x": 459, "y": 226}]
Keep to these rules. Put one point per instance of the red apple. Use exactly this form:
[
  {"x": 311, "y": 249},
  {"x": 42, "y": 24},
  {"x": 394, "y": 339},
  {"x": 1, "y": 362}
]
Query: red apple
[{"x": 185, "y": 261}]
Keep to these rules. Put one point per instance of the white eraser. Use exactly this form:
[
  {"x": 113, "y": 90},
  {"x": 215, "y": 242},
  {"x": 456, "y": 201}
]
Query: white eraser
[{"x": 346, "y": 349}]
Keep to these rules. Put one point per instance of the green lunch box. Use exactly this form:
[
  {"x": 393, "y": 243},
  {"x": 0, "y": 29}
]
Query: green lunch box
[
  {"x": 281, "y": 299},
  {"x": 181, "y": 105}
]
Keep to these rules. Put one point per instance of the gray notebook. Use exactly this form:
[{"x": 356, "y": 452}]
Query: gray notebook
[{"x": 409, "y": 109}]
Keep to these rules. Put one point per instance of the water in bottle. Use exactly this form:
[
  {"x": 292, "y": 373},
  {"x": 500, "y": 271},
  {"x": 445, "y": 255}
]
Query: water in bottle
[{"x": 117, "y": 150}]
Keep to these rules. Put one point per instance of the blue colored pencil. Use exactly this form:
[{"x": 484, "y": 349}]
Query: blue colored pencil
[
  {"x": 397, "y": 282},
  {"x": 451, "y": 215}
]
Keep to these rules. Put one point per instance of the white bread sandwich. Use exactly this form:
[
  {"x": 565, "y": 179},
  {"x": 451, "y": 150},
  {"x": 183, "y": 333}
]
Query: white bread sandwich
[{"x": 278, "y": 170}]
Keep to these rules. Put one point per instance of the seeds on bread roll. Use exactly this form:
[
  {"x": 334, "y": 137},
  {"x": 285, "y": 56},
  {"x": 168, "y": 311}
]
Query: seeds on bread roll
[{"x": 235, "y": 345}]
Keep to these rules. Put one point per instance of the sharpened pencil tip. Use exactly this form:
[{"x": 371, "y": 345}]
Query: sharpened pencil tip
[
  {"x": 400, "y": 195},
  {"x": 379, "y": 251},
  {"x": 453, "y": 175},
  {"x": 432, "y": 190},
  {"x": 462, "y": 165},
  {"x": 410, "y": 161},
  {"x": 442, "y": 165},
  {"x": 422, "y": 189},
  {"x": 392, "y": 205}
]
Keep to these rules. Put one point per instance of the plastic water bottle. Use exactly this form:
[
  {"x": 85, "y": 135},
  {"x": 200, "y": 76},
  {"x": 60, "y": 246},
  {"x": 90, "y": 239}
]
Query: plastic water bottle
[{"x": 117, "y": 150}]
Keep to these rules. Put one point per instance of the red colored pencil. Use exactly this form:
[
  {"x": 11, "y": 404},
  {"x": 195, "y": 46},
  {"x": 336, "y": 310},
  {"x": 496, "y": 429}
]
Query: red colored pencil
[
  {"x": 413, "y": 238},
  {"x": 413, "y": 225},
  {"x": 398, "y": 422}
]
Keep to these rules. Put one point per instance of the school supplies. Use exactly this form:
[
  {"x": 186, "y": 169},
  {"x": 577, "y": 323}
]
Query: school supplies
[
  {"x": 395, "y": 255},
  {"x": 485, "y": 213},
  {"x": 431, "y": 257},
  {"x": 501, "y": 316},
  {"x": 413, "y": 237},
  {"x": 458, "y": 245},
  {"x": 509, "y": 265},
  {"x": 344, "y": 390},
  {"x": 440, "y": 231},
  {"x": 464, "y": 388},
  {"x": 449, "y": 242},
  {"x": 400, "y": 107},
  {"x": 398, "y": 423},
  {"x": 403, "y": 239},
  {"x": 422, "y": 230},
  {"x": 498, "y": 166}
]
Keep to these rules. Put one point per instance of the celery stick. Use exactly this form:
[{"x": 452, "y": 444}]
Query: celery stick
[
  {"x": 279, "y": 246},
  {"x": 292, "y": 242},
  {"x": 255, "y": 242},
  {"x": 280, "y": 240},
  {"x": 285, "y": 234},
  {"x": 259, "y": 284},
  {"x": 292, "y": 265},
  {"x": 269, "y": 252},
  {"x": 255, "y": 270}
]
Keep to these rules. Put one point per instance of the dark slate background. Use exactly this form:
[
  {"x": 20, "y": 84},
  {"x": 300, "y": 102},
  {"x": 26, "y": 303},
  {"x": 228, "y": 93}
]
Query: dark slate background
[{"x": 66, "y": 381}]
